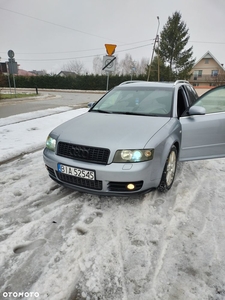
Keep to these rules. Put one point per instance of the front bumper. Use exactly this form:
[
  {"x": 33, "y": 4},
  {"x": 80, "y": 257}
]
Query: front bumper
[{"x": 112, "y": 179}]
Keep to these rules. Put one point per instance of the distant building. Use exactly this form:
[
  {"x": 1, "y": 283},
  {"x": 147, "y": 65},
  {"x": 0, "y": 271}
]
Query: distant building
[
  {"x": 3, "y": 68},
  {"x": 67, "y": 74},
  {"x": 25, "y": 73},
  {"x": 39, "y": 73},
  {"x": 207, "y": 72}
]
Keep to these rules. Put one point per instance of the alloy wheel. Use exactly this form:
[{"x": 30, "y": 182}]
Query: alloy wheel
[{"x": 171, "y": 168}]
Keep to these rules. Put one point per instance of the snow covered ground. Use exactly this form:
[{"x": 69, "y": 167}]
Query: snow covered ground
[{"x": 60, "y": 244}]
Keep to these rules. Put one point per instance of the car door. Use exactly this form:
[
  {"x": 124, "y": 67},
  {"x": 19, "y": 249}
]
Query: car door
[{"x": 203, "y": 130}]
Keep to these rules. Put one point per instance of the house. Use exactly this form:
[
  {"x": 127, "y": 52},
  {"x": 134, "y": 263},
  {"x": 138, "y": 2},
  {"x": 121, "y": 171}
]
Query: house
[
  {"x": 207, "y": 72},
  {"x": 39, "y": 73},
  {"x": 22, "y": 72},
  {"x": 67, "y": 73}
]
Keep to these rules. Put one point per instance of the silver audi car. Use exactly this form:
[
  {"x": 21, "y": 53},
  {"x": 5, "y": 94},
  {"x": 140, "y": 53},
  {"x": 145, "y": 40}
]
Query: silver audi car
[{"x": 131, "y": 139}]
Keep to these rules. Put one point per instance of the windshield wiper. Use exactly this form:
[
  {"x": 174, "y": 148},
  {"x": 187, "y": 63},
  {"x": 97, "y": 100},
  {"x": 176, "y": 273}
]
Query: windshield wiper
[
  {"x": 136, "y": 114},
  {"x": 102, "y": 111},
  {"x": 124, "y": 113}
]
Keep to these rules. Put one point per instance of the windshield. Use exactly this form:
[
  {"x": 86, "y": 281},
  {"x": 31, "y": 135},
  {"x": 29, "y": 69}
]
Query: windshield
[{"x": 149, "y": 101}]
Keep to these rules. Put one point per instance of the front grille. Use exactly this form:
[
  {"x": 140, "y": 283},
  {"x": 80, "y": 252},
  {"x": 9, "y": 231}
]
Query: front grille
[
  {"x": 50, "y": 171},
  {"x": 91, "y": 184},
  {"x": 122, "y": 186},
  {"x": 83, "y": 153}
]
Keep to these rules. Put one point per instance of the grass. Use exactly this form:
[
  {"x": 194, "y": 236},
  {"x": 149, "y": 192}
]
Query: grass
[{"x": 10, "y": 96}]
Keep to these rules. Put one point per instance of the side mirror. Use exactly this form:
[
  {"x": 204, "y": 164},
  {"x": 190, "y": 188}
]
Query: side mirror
[
  {"x": 90, "y": 104},
  {"x": 196, "y": 110}
]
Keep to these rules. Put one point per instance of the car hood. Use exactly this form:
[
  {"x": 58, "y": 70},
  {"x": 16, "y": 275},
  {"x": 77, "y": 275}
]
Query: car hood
[{"x": 112, "y": 131}]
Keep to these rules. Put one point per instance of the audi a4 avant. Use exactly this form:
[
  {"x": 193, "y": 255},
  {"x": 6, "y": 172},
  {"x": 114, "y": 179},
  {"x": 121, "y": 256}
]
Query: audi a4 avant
[{"x": 131, "y": 139}]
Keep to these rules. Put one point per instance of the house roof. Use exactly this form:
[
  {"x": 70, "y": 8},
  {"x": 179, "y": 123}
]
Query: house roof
[
  {"x": 67, "y": 73},
  {"x": 22, "y": 72},
  {"x": 208, "y": 54}
]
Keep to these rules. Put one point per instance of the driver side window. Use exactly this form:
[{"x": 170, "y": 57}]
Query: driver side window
[{"x": 213, "y": 101}]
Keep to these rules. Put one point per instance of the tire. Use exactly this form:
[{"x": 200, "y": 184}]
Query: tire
[{"x": 169, "y": 171}]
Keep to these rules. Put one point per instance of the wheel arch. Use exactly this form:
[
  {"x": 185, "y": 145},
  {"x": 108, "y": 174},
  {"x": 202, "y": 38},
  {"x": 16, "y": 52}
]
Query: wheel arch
[
  {"x": 168, "y": 145},
  {"x": 177, "y": 145}
]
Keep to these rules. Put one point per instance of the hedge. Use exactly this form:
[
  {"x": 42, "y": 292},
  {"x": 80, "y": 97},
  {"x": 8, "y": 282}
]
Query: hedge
[{"x": 80, "y": 82}]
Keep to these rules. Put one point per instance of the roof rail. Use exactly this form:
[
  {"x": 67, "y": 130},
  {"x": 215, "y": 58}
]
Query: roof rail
[
  {"x": 131, "y": 81},
  {"x": 181, "y": 81}
]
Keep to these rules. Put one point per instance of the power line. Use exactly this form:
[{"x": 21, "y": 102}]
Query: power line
[
  {"x": 203, "y": 42},
  {"x": 80, "y": 57},
  {"x": 84, "y": 50},
  {"x": 55, "y": 24},
  {"x": 52, "y": 59},
  {"x": 70, "y": 28},
  {"x": 94, "y": 55},
  {"x": 134, "y": 48},
  {"x": 87, "y": 33}
]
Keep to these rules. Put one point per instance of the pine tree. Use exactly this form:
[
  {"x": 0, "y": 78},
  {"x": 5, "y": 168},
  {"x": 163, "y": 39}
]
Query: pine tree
[
  {"x": 174, "y": 38},
  {"x": 157, "y": 65}
]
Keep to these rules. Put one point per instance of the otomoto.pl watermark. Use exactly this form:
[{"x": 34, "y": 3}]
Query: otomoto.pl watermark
[{"x": 20, "y": 294}]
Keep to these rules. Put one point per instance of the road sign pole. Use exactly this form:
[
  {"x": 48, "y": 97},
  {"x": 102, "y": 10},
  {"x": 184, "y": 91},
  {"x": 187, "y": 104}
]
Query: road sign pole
[
  {"x": 9, "y": 84},
  {"x": 12, "y": 67},
  {"x": 107, "y": 83},
  {"x": 14, "y": 82}
]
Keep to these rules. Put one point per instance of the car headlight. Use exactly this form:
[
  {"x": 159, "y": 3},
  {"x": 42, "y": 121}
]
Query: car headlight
[
  {"x": 137, "y": 155},
  {"x": 50, "y": 143}
]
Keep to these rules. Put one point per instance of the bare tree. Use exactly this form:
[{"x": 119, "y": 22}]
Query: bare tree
[
  {"x": 97, "y": 65},
  {"x": 126, "y": 65},
  {"x": 75, "y": 66},
  {"x": 219, "y": 79},
  {"x": 141, "y": 68}
]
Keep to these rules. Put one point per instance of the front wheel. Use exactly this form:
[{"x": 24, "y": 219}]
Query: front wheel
[{"x": 169, "y": 171}]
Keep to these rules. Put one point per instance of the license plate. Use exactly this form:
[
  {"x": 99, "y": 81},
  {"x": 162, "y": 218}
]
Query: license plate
[{"x": 77, "y": 172}]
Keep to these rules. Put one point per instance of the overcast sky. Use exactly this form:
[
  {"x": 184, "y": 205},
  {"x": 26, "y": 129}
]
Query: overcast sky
[{"x": 47, "y": 34}]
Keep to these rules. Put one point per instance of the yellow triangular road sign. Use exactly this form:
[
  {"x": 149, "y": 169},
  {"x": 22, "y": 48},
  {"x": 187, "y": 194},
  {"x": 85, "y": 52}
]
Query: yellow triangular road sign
[{"x": 110, "y": 49}]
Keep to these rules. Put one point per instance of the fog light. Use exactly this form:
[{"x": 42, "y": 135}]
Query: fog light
[{"x": 130, "y": 186}]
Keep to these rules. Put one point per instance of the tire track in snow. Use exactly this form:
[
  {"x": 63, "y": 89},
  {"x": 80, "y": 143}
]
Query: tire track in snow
[
  {"x": 176, "y": 215},
  {"x": 188, "y": 256},
  {"x": 157, "y": 246}
]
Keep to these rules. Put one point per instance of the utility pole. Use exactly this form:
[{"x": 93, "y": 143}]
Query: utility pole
[
  {"x": 153, "y": 51},
  {"x": 158, "y": 59}
]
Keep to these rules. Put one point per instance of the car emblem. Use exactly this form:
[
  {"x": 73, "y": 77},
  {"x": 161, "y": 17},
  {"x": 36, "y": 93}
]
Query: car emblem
[{"x": 80, "y": 152}]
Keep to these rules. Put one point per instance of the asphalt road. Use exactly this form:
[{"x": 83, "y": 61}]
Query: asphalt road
[{"x": 45, "y": 100}]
